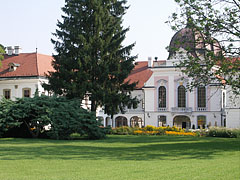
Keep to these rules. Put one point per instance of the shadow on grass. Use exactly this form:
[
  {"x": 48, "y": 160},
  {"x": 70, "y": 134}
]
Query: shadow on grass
[{"x": 139, "y": 148}]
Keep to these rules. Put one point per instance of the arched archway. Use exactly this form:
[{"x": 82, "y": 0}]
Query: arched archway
[
  {"x": 120, "y": 121},
  {"x": 136, "y": 121},
  {"x": 108, "y": 121},
  {"x": 182, "y": 122}
]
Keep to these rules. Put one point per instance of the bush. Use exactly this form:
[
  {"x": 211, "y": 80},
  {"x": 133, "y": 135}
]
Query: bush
[
  {"x": 33, "y": 114},
  {"x": 123, "y": 130},
  {"x": 223, "y": 132},
  {"x": 7, "y": 122},
  {"x": 148, "y": 130},
  {"x": 75, "y": 136},
  {"x": 68, "y": 117}
]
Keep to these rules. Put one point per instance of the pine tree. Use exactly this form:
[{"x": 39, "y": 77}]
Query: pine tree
[{"x": 90, "y": 56}]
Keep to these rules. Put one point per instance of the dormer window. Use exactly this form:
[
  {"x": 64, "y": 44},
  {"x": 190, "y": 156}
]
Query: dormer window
[{"x": 13, "y": 66}]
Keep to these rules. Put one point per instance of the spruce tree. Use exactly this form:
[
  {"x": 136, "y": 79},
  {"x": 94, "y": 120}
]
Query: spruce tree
[{"x": 90, "y": 57}]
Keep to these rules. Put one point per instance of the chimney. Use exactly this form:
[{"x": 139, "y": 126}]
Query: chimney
[
  {"x": 17, "y": 50},
  {"x": 10, "y": 50},
  {"x": 150, "y": 62}
]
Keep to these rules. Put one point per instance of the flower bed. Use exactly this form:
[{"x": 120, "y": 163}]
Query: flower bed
[{"x": 180, "y": 133}]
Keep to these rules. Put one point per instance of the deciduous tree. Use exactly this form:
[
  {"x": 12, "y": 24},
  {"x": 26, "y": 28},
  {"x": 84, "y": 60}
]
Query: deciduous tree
[{"x": 212, "y": 19}]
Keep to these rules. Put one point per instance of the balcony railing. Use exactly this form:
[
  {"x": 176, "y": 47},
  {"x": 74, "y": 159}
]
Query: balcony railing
[
  {"x": 162, "y": 109},
  {"x": 201, "y": 109},
  {"x": 181, "y": 109}
]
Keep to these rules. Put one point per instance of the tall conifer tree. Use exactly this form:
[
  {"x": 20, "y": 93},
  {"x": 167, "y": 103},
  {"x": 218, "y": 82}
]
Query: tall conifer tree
[{"x": 90, "y": 56}]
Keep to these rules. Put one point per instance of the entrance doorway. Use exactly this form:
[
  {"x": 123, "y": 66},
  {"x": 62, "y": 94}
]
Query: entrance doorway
[{"x": 182, "y": 122}]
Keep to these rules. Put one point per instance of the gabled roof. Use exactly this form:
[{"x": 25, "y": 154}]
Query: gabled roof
[
  {"x": 30, "y": 64},
  {"x": 141, "y": 73}
]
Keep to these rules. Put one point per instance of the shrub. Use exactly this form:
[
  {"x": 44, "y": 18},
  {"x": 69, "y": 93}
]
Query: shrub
[
  {"x": 33, "y": 114},
  {"x": 7, "y": 122},
  {"x": 124, "y": 130},
  {"x": 223, "y": 132},
  {"x": 75, "y": 136},
  {"x": 68, "y": 117},
  {"x": 149, "y": 128}
]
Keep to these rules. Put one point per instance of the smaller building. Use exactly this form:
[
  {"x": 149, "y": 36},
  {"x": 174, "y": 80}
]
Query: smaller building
[{"x": 22, "y": 74}]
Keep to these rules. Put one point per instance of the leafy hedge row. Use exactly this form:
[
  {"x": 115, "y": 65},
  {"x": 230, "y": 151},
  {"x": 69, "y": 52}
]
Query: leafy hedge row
[
  {"x": 223, "y": 132},
  {"x": 29, "y": 117},
  {"x": 152, "y": 130}
]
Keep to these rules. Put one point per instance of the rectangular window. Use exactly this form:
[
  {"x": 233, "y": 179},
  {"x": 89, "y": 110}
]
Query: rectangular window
[
  {"x": 201, "y": 97},
  {"x": 201, "y": 122},
  {"x": 162, "y": 121},
  {"x": 26, "y": 92},
  {"x": 7, "y": 93}
]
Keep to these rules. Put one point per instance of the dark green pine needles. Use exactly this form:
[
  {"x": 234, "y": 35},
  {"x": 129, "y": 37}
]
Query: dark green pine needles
[{"x": 90, "y": 56}]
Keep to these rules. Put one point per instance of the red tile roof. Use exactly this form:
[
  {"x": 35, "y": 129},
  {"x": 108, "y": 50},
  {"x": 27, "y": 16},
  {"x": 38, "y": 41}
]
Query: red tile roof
[
  {"x": 140, "y": 74},
  {"x": 34, "y": 64},
  {"x": 31, "y": 64}
]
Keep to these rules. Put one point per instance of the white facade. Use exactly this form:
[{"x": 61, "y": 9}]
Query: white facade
[
  {"x": 231, "y": 108},
  {"x": 163, "y": 96},
  {"x": 190, "y": 116},
  {"x": 16, "y": 86}
]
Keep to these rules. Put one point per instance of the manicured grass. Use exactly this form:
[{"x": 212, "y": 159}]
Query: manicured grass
[{"x": 121, "y": 157}]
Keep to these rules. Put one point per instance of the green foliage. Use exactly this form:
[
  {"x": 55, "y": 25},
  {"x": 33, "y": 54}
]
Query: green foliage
[
  {"x": 65, "y": 117},
  {"x": 6, "y": 121},
  {"x": 124, "y": 130},
  {"x": 75, "y": 136},
  {"x": 68, "y": 117},
  {"x": 2, "y": 51},
  {"x": 211, "y": 20},
  {"x": 33, "y": 112},
  {"x": 223, "y": 132},
  {"x": 90, "y": 56},
  {"x": 148, "y": 130}
]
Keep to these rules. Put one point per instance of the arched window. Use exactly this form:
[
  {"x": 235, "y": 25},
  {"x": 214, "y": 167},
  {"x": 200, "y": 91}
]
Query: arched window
[
  {"x": 161, "y": 97},
  {"x": 162, "y": 121},
  {"x": 136, "y": 121},
  {"x": 120, "y": 121},
  {"x": 107, "y": 121},
  {"x": 181, "y": 96},
  {"x": 201, "y": 92},
  {"x": 201, "y": 122}
]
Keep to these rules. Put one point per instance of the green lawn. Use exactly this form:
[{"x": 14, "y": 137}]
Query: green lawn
[{"x": 121, "y": 157}]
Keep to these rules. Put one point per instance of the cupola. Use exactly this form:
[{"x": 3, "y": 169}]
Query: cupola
[{"x": 192, "y": 42}]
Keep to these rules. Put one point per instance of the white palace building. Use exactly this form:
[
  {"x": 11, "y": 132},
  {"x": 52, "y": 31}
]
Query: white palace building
[
  {"x": 164, "y": 100},
  {"x": 161, "y": 90}
]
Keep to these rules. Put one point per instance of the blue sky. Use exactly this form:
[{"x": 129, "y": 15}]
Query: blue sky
[{"x": 30, "y": 24}]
